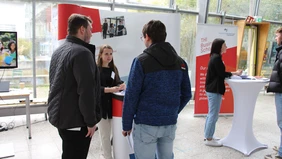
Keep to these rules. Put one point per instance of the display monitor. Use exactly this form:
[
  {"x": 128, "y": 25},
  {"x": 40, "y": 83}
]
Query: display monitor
[{"x": 8, "y": 49}]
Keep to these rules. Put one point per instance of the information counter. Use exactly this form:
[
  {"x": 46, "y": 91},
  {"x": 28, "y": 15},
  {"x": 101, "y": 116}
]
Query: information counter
[{"x": 121, "y": 149}]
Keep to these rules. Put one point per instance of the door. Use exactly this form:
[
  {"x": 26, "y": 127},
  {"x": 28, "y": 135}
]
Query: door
[{"x": 248, "y": 55}]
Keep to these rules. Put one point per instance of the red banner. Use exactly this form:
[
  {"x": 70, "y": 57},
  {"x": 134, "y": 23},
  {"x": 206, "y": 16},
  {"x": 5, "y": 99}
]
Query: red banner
[
  {"x": 65, "y": 10},
  {"x": 201, "y": 100}
]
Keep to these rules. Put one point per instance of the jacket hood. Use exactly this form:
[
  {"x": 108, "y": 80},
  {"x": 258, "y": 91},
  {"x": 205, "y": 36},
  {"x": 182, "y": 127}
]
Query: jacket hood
[{"x": 162, "y": 52}]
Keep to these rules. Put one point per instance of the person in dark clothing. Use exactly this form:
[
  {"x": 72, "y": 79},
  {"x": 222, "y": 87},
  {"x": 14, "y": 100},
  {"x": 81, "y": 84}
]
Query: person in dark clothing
[
  {"x": 158, "y": 89},
  {"x": 105, "y": 29},
  {"x": 110, "y": 83},
  {"x": 120, "y": 28},
  {"x": 1, "y": 46},
  {"x": 215, "y": 88},
  {"x": 275, "y": 86},
  {"x": 111, "y": 30},
  {"x": 74, "y": 96}
]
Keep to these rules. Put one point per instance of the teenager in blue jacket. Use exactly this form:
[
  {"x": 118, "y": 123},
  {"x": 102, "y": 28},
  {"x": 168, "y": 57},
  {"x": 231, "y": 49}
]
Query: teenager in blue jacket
[{"x": 158, "y": 89}]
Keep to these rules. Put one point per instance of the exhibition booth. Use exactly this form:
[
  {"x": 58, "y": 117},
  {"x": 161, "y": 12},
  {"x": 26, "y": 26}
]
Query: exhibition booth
[{"x": 239, "y": 100}]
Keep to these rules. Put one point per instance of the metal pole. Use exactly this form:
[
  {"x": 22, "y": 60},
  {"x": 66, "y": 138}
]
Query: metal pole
[
  {"x": 171, "y": 4},
  {"x": 113, "y": 5},
  {"x": 218, "y": 8},
  {"x": 203, "y": 6},
  {"x": 176, "y": 9},
  {"x": 223, "y": 17},
  {"x": 256, "y": 7},
  {"x": 33, "y": 48},
  {"x": 207, "y": 11}
]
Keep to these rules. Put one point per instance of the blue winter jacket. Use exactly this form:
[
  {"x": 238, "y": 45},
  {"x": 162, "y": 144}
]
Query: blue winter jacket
[{"x": 158, "y": 87}]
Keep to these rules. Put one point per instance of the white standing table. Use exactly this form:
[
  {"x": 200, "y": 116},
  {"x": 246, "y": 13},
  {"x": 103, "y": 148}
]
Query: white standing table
[
  {"x": 241, "y": 136},
  {"x": 20, "y": 94}
]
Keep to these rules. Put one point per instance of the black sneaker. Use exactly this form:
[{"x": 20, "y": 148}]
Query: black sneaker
[{"x": 2, "y": 128}]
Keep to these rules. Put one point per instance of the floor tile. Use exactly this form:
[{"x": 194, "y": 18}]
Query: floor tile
[{"x": 188, "y": 143}]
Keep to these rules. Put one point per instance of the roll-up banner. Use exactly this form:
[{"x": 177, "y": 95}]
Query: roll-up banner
[{"x": 206, "y": 33}]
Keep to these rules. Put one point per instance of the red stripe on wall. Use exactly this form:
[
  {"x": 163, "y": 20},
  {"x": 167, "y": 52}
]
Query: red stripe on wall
[{"x": 65, "y": 10}]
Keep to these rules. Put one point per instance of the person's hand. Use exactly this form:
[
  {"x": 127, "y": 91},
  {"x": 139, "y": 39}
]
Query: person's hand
[
  {"x": 91, "y": 131},
  {"x": 115, "y": 89},
  {"x": 239, "y": 72},
  {"x": 122, "y": 87},
  {"x": 125, "y": 133}
]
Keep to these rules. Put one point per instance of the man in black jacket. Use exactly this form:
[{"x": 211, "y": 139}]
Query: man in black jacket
[
  {"x": 105, "y": 29},
  {"x": 275, "y": 86},
  {"x": 74, "y": 97}
]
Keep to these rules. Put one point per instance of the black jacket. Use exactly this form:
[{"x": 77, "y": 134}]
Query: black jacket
[
  {"x": 74, "y": 96},
  {"x": 216, "y": 75},
  {"x": 276, "y": 75},
  {"x": 107, "y": 81}
]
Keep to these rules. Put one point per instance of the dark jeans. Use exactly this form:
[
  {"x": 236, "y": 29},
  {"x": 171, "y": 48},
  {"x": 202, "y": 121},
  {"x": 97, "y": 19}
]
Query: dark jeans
[
  {"x": 104, "y": 34},
  {"x": 75, "y": 144}
]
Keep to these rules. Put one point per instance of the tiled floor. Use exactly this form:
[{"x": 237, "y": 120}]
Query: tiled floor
[{"x": 46, "y": 143}]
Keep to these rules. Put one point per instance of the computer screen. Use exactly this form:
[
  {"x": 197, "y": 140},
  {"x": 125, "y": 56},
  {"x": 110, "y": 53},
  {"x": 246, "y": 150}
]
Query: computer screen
[{"x": 8, "y": 50}]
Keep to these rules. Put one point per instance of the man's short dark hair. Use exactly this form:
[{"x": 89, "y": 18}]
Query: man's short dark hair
[
  {"x": 75, "y": 21},
  {"x": 156, "y": 30}
]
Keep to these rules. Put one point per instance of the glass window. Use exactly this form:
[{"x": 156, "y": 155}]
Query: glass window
[
  {"x": 46, "y": 43},
  {"x": 229, "y": 22},
  {"x": 270, "y": 10},
  {"x": 270, "y": 53},
  {"x": 19, "y": 21},
  {"x": 186, "y": 4},
  {"x": 272, "y": 30},
  {"x": 187, "y": 38},
  {"x": 236, "y": 7},
  {"x": 213, "y": 20},
  {"x": 88, "y": 1},
  {"x": 213, "y": 6},
  {"x": 140, "y": 10},
  {"x": 162, "y": 3},
  {"x": 97, "y": 7}
]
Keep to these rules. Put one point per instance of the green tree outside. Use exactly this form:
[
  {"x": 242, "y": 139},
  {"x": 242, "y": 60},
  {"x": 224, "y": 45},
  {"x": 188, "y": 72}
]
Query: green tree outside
[{"x": 24, "y": 48}]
